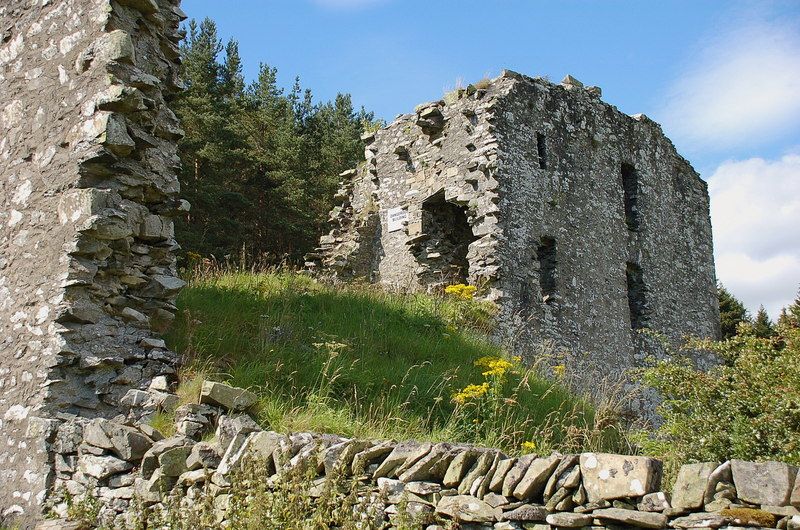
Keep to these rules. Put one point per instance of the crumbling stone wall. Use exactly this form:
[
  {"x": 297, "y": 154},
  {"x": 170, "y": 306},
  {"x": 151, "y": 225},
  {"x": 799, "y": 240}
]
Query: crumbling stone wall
[
  {"x": 586, "y": 224},
  {"x": 436, "y": 484},
  {"x": 87, "y": 188}
]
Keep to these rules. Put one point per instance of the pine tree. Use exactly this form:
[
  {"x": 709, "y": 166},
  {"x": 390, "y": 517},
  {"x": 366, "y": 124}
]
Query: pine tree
[
  {"x": 232, "y": 79},
  {"x": 762, "y": 325},
  {"x": 261, "y": 165},
  {"x": 731, "y": 312},
  {"x": 790, "y": 315},
  {"x": 212, "y": 150}
]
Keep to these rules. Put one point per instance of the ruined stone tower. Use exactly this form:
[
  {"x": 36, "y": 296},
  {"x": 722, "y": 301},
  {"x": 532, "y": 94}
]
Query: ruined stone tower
[
  {"x": 88, "y": 186},
  {"x": 583, "y": 223}
]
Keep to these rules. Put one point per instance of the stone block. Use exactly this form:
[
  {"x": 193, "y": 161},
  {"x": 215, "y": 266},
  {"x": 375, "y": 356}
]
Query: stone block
[
  {"x": 763, "y": 482},
  {"x": 222, "y": 395},
  {"x": 476, "y": 472},
  {"x": 467, "y": 509},
  {"x": 126, "y": 442},
  {"x": 654, "y": 502},
  {"x": 102, "y": 467},
  {"x": 631, "y": 517},
  {"x": 690, "y": 486},
  {"x": 402, "y": 453},
  {"x": 116, "y": 137},
  {"x": 503, "y": 468},
  {"x": 608, "y": 477},
  {"x": 229, "y": 426},
  {"x": 172, "y": 462},
  {"x": 527, "y": 513},
  {"x": 531, "y": 486},
  {"x": 701, "y": 520},
  {"x": 115, "y": 46},
  {"x": 150, "y": 461},
  {"x": 569, "y": 520},
  {"x": 204, "y": 455},
  {"x": 148, "y": 7}
]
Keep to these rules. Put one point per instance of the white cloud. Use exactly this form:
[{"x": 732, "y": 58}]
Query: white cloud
[
  {"x": 347, "y": 4},
  {"x": 743, "y": 86},
  {"x": 755, "y": 212}
]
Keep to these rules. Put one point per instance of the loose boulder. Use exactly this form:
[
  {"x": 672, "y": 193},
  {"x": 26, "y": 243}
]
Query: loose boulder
[{"x": 222, "y": 395}]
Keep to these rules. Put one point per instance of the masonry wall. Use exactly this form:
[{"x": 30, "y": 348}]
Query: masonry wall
[
  {"x": 445, "y": 150},
  {"x": 136, "y": 473},
  {"x": 87, "y": 188},
  {"x": 536, "y": 171},
  {"x": 577, "y": 199}
]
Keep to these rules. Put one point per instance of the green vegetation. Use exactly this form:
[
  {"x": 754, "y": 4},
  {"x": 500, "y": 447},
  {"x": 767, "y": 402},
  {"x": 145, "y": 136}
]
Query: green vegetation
[
  {"x": 731, "y": 312},
  {"x": 762, "y": 325},
  {"x": 294, "y": 499},
  {"x": 260, "y": 166},
  {"x": 747, "y": 408},
  {"x": 358, "y": 361},
  {"x": 790, "y": 316}
]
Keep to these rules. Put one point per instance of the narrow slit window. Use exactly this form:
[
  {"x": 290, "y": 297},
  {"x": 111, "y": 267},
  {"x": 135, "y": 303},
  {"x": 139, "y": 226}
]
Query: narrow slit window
[
  {"x": 637, "y": 296},
  {"x": 541, "y": 150},
  {"x": 546, "y": 256},
  {"x": 630, "y": 187}
]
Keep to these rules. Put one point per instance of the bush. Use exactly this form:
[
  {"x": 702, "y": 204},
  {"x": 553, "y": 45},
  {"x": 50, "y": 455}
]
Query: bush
[{"x": 748, "y": 407}]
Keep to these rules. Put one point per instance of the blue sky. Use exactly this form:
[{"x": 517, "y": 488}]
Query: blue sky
[{"x": 723, "y": 78}]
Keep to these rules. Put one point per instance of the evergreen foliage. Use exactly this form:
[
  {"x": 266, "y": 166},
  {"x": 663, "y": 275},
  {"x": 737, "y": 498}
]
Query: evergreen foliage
[
  {"x": 731, "y": 312},
  {"x": 260, "y": 165},
  {"x": 762, "y": 325},
  {"x": 790, "y": 315}
]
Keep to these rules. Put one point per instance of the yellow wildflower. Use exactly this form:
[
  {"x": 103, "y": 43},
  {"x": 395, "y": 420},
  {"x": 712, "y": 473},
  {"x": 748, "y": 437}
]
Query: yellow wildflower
[
  {"x": 459, "y": 290},
  {"x": 495, "y": 366},
  {"x": 528, "y": 447},
  {"x": 470, "y": 392},
  {"x": 559, "y": 370}
]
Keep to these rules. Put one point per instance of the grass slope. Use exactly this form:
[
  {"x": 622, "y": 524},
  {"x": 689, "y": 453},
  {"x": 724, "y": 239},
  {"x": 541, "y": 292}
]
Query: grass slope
[{"x": 359, "y": 361}]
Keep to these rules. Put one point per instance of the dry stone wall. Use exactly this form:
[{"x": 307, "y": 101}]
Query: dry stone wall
[
  {"x": 87, "y": 189},
  {"x": 584, "y": 224},
  {"x": 132, "y": 469}
]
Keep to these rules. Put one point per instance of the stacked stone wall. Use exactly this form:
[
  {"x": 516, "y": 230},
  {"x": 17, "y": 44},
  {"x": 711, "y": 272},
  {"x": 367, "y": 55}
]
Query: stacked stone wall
[
  {"x": 87, "y": 189},
  {"x": 578, "y": 200},
  {"x": 132, "y": 471}
]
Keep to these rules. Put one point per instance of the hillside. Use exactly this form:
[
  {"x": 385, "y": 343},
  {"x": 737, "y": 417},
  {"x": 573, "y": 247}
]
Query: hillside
[{"x": 359, "y": 361}]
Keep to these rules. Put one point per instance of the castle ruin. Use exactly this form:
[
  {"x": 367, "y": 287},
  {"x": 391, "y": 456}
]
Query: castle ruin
[
  {"x": 550, "y": 200},
  {"x": 88, "y": 185},
  {"x": 582, "y": 223}
]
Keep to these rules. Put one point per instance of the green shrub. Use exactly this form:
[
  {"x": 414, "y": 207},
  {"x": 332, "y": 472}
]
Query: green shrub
[{"x": 748, "y": 407}]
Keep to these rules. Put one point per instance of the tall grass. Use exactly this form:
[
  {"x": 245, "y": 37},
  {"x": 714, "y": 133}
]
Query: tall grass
[{"x": 360, "y": 361}]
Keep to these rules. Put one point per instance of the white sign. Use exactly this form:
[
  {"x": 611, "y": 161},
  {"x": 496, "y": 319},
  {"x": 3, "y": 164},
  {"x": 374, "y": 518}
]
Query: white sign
[{"x": 396, "y": 218}]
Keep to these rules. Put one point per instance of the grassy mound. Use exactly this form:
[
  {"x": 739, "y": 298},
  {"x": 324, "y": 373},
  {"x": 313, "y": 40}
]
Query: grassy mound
[{"x": 363, "y": 362}]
